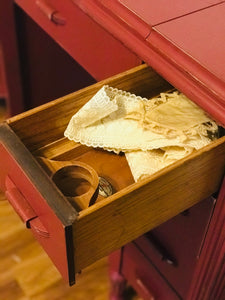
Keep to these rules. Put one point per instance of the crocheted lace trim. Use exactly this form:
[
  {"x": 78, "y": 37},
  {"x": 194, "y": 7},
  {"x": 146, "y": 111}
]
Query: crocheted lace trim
[{"x": 153, "y": 133}]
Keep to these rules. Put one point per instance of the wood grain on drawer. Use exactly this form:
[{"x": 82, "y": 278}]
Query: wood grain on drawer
[{"x": 142, "y": 206}]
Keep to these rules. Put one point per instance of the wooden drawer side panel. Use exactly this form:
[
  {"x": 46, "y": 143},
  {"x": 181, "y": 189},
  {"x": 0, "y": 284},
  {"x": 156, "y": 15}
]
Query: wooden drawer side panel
[{"x": 139, "y": 208}]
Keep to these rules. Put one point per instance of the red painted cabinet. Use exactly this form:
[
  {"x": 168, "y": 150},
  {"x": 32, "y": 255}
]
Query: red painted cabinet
[
  {"x": 157, "y": 12},
  {"x": 162, "y": 263},
  {"x": 175, "y": 247},
  {"x": 144, "y": 278},
  {"x": 48, "y": 58},
  {"x": 82, "y": 236},
  {"x": 170, "y": 42},
  {"x": 79, "y": 42},
  {"x": 81, "y": 37}
]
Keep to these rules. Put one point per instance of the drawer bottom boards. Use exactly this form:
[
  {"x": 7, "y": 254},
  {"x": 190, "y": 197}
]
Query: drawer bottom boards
[{"x": 133, "y": 209}]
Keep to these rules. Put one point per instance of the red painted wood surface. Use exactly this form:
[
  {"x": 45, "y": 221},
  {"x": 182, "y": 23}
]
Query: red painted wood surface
[
  {"x": 206, "y": 271},
  {"x": 182, "y": 239},
  {"x": 36, "y": 70},
  {"x": 48, "y": 72},
  {"x": 19, "y": 182},
  {"x": 118, "y": 282},
  {"x": 201, "y": 37},
  {"x": 156, "y": 12},
  {"x": 8, "y": 40},
  {"x": 89, "y": 44},
  {"x": 141, "y": 274},
  {"x": 169, "y": 39},
  {"x": 209, "y": 280},
  {"x": 173, "y": 63}
]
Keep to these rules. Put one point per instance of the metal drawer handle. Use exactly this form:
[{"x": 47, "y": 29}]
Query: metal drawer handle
[
  {"x": 52, "y": 14},
  {"x": 160, "y": 249}
]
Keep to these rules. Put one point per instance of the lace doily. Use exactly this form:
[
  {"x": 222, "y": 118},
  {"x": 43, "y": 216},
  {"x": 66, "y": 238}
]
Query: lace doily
[
  {"x": 119, "y": 121},
  {"x": 100, "y": 105}
]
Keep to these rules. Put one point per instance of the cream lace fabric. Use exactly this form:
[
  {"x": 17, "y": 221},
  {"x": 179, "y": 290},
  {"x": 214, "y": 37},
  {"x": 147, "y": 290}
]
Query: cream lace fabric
[
  {"x": 152, "y": 133},
  {"x": 145, "y": 163},
  {"x": 101, "y": 105}
]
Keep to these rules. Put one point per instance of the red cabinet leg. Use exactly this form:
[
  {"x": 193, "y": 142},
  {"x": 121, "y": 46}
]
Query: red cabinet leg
[
  {"x": 117, "y": 280},
  {"x": 118, "y": 285},
  {"x": 11, "y": 67}
]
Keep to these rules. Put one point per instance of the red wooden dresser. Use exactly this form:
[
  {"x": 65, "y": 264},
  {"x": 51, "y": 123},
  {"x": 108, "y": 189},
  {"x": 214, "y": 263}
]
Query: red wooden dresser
[{"x": 183, "y": 256}]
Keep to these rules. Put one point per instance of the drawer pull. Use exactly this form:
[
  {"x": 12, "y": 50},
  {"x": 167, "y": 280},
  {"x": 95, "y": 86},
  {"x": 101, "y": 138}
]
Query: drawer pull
[
  {"x": 52, "y": 14},
  {"x": 18, "y": 202},
  {"x": 145, "y": 289},
  {"x": 23, "y": 209},
  {"x": 36, "y": 225},
  {"x": 160, "y": 249}
]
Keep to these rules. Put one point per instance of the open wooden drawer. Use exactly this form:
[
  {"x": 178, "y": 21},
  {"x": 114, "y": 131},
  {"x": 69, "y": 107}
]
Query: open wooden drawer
[{"x": 75, "y": 239}]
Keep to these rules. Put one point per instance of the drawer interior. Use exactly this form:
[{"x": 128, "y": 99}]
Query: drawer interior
[
  {"x": 48, "y": 144},
  {"x": 133, "y": 208},
  {"x": 111, "y": 169}
]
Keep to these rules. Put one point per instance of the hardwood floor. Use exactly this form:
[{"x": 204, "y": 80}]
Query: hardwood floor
[{"x": 26, "y": 272}]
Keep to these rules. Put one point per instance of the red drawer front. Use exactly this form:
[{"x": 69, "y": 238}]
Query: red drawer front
[
  {"x": 143, "y": 277},
  {"x": 88, "y": 43},
  {"x": 175, "y": 246},
  {"x": 49, "y": 223}
]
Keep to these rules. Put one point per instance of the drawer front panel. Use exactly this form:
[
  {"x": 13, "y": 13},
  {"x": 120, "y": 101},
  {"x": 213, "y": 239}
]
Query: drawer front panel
[
  {"x": 143, "y": 277},
  {"x": 24, "y": 195},
  {"x": 176, "y": 245},
  {"x": 90, "y": 45}
]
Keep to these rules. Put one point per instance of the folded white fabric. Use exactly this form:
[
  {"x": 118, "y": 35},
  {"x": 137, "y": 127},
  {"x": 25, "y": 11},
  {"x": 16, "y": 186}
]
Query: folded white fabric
[
  {"x": 101, "y": 104},
  {"x": 119, "y": 121},
  {"x": 145, "y": 163}
]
